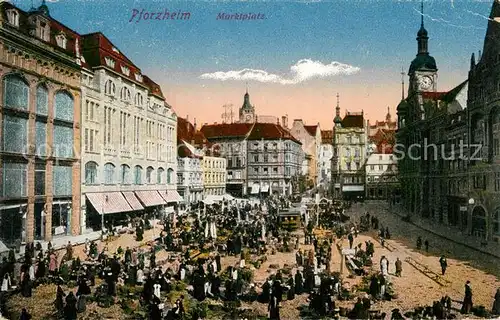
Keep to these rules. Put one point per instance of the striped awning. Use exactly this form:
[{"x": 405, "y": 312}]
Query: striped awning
[
  {"x": 255, "y": 189},
  {"x": 150, "y": 198},
  {"x": 133, "y": 201},
  {"x": 171, "y": 196},
  {"x": 110, "y": 202}
]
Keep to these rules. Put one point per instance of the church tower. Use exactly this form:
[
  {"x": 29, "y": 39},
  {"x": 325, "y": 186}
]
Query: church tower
[{"x": 247, "y": 111}]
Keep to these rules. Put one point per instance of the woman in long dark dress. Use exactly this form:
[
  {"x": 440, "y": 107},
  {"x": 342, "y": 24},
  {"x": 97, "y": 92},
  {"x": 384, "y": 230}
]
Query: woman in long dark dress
[
  {"x": 26, "y": 285},
  {"x": 70, "y": 311}
]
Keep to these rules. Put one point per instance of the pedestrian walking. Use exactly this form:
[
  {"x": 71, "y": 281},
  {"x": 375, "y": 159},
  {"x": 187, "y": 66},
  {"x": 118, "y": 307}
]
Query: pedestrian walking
[
  {"x": 419, "y": 243},
  {"x": 351, "y": 240},
  {"x": 496, "y": 304},
  {"x": 399, "y": 267},
  {"x": 444, "y": 264},
  {"x": 426, "y": 244},
  {"x": 467, "y": 304}
]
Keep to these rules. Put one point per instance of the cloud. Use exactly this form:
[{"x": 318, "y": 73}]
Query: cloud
[{"x": 303, "y": 70}]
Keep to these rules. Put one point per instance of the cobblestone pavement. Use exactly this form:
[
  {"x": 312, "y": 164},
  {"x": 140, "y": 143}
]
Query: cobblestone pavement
[{"x": 414, "y": 288}]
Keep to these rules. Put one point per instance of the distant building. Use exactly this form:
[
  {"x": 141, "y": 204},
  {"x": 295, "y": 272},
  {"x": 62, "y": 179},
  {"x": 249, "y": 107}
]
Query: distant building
[
  {"x": 310, "y": 137},
  {"x": 325, "y": 158},
  {"x": 349, "y": 145},
  {"x": 262, "y": 158},
  {"x": 381, "y": 176}
]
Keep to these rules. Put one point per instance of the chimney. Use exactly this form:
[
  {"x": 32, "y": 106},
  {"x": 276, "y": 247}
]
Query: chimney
[
  {"x": 194, "y": 125},
  {"x": 187, "y": 118},
  {"x": 283, "y": 121}
]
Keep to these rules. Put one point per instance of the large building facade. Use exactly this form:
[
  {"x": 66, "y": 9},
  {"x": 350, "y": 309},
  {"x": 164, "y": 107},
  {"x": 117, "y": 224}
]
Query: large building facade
[
  {"x": 350, "y": 150},
  {"x": 40, "y": 126},
  {"x": 458, "y": 185},
  {"x": 129, "y": 159},
  {"x": 325, "y": 158}
]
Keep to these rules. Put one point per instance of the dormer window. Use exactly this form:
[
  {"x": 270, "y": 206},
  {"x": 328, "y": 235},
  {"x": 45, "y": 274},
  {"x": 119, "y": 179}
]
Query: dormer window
[
  {"x": 125, "y": 70},
  {"x": 115, "y": 50},
  {"x": 13, "y": 17},
  {"x": 109, "y": 62},
  {"x": 138, "y": 77},
  {"x": 139, "y": 100},
  {"x": 61, "y": 40},
  {"x": 43, "y": 30},
  {"x": 109, "y": 88}
]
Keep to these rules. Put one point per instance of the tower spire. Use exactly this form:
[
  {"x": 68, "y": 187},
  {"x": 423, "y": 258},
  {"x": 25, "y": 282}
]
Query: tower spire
[
  {"x": 402, "y": 84},
  {"x": 247, "y": 86},
  {"x": 422, "y": 13},
  {"x": 337, "y": 109}
]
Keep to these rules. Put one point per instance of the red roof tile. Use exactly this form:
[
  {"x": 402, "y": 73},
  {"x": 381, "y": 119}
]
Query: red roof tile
[
  {"x": 327, "y": 136},
  {"x": 311, "y": 129},
  {"x": 226, "y": 130},
  {"x": 353, "y": 121},
  {"x": 154, "y": 88},
  {"x": 187, "y": 132},
  {"x": 270, "y": 131},
  {"x": 433, "y": 95}
]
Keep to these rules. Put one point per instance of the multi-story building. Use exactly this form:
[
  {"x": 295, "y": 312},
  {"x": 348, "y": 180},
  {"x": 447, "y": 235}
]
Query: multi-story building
[
  {"x": 214, "y": 175},
  {"x": 456, "y": 184},
  {"x": 349, "y": 145},
  {"x": 230, "y": 140},
  {"x": 387, "y": 125},
  {"x": 129, "y": 137},
  {"x": 325, "y": 158},
  {"x": 190, "y": 177},
  {"x": 310, "y": 137},
  {"x": 381, "y": 176},
  {"x": 261, "y": 157},
  {"x": 483, "y": 120},
  {"x": 40, "y": 101},
  {"x": 274, "y": 160}
]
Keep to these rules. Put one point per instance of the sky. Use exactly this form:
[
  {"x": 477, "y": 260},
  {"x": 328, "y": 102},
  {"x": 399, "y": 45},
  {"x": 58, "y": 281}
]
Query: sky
[{"x": 294, "y": 61}]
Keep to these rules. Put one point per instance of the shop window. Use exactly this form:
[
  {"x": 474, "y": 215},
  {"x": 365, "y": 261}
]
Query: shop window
[
  {"x": 14, "y": 179},
  {"x": 62, "y": 180}
]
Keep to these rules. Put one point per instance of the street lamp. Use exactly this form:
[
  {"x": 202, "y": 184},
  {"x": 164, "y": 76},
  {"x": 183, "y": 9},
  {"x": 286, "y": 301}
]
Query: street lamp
[
  {"x": 469, "y": 215},
  {"x": 104, "y": 203}
]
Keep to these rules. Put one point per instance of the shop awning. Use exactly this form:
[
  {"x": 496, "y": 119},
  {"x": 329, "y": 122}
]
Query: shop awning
[
  {"x": 133, "y": 201},
  {"x": 150, "y": 198},
  {"x": 228, "y": 197},
  {"x": 171, "y": 196},
  {"x": 353, "y": 188},
  {"x": 255, "y": 189},
  {"x": 110, "y": 202},
  {"x": 214, "y": 198},
  {"x": 265, "y": 188}
]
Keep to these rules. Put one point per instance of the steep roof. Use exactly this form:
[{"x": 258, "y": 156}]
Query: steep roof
[
  {"x": 433, "y": 95},
  {"x": 188, "y": 133},
  {"x": 154, "y": 88},
  {"x": 56, "y": 28},
  {"x": 97, "y": 47},
  {"x": 270, "y": 131},
  {"x": 326, "y": 136},
  {"x": 353, "y": 121},
  {"x": 311, "y": 129},
  {"x": 226, "y": 130}
]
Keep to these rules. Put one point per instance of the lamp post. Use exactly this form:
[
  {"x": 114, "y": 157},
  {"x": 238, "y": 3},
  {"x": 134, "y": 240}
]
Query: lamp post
[
  {"x": 104, "y": 203},
  {"x": 469, "y": 214}
]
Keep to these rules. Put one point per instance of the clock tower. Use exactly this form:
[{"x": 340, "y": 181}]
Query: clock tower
[
  {"x": 423, "y": 69},
  {"x": 247, "y": 111}
]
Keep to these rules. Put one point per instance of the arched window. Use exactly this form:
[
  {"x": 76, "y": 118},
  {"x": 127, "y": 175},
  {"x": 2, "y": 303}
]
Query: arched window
[
  {"x": 139, "y": 100},
  {"x": 15, "y": 128},
  {"x": 16, "y": 92},
  {"x": 159, "y": 173},
  {"x": 170, "y": 176},
  {"x": 149, "y": 173},
  {"x": 63, "y": 106},
  {"x": 138, "y": 175},
  {"x": 110, "y": 88},
  {"x": 125, "y": 174},
  {"x": 109, "y": 172},
  {"x": 42, "y": 100},
  {"x": 91, "y": 172},
  {"x": 125, "y": 94}
]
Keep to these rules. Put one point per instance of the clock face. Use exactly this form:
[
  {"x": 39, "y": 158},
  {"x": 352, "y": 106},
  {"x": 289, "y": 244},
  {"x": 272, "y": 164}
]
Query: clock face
[
  {"x": 248, "y": 117},
  {"x": 425, "y": 82}
]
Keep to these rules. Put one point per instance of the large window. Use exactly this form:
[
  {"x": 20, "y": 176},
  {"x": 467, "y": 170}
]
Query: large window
[
  {"x": 149, "y": 173},
  {"x": 14, "y": 179},
  {"x": 125, "y": 174},
  {"x": 138, "y": 175},
  {"x": 11, "y": 224},
  {"x": 42, "y": 100},
  {"x": 170, "y": 176},
  {"x": 159, "y": 178},
  {"x": 109, "y": 172},
  {"x": 40, "y": 138},
  {"x": 63, "y": 106},
  {"x": 62, "y": 180},
  {"x": 16, "y": 92},
  {"x": 91, "y": 173},
  {"x": 63, "y": 142},
  {"x": 139, "y": 100},
  {"x": 125, "y": 94},
  {"x": 39, "y": 179},
  {"x": 14, "y": 135},
  {"x": 110, "y": 88}
]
